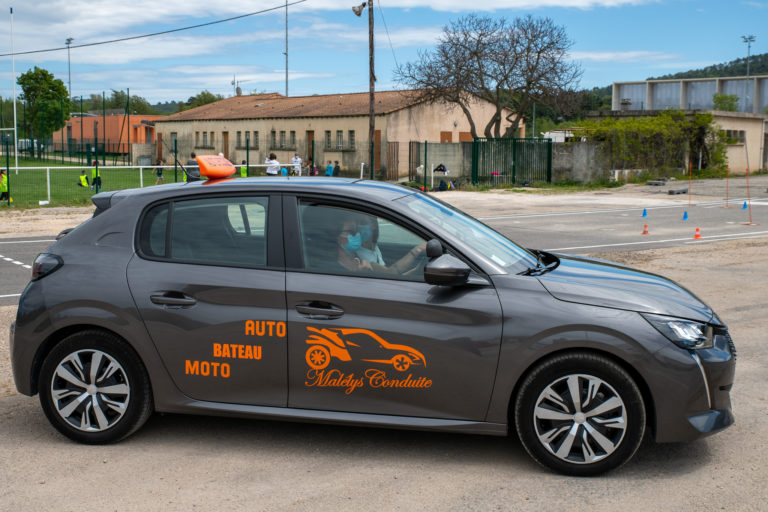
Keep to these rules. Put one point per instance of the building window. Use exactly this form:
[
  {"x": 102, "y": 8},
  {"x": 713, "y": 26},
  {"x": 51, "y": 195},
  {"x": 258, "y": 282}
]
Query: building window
[
  {"x": 351, "y": 139},
  {"x": 735, "y": 136},
  {"x": 255, "y": 140},
  {"x": 282, "y": 139},
  {"x": 239, "y": 139},
  {"x": 273, "y": 134},
  {"x": 197, "y": 139},
  {"x": 292, "y": 139},
  {"x": 174, "y": 138},
  {"x": 339, "y": 139},
  {"x": 327, "y": 139},
  {"x": 205, "y": 139},
  {"x": 212, "y": 143}
]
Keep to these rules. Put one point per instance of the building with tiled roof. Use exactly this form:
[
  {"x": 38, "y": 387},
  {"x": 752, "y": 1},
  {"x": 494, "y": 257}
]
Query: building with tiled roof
[{"x": 320, "y": 127}]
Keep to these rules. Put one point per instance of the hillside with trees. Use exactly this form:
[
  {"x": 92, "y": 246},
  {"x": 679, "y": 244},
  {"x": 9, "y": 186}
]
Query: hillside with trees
[{"x": 758, "y": 65}]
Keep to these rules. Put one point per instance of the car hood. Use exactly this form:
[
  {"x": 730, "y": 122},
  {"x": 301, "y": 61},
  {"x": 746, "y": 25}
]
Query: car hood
[{"x": 604, "y": 283}]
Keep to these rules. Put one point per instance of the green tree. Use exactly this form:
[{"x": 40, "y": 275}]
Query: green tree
[
  {"x": 200, "y": 99},
  {"x": 47, "y": 102},
  {"x": 726, "y": 102}
]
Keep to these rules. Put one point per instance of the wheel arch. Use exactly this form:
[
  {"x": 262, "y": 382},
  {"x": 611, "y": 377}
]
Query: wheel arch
[
  {"x": 650, "y": 408},
  {"x": 58, "y": 336}
]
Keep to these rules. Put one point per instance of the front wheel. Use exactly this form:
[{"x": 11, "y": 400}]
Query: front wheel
[
  {"x": 580, "y": 414},
  {"x": 94, "y": 388}
]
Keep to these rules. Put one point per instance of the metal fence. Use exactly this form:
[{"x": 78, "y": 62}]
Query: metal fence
[
  {"x": 61, "y": 185},
  {"x": 511, "y": 161}
]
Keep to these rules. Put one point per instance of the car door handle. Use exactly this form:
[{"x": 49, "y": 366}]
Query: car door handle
[
  {"x": 319, "y": 310},
  {"x": 167, "y": 299}
]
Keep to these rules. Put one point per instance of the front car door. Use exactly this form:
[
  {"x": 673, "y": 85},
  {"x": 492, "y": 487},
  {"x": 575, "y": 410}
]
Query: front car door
[
  {"x": 209, "y": 282},
  {"x": 376, "y": 338}
]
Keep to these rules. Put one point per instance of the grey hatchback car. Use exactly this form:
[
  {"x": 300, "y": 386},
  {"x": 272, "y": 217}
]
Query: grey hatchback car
[{"x": 363, "y": 303}]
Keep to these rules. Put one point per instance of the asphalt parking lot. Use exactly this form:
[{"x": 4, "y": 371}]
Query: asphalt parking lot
[{"x": 185, "y": 463}]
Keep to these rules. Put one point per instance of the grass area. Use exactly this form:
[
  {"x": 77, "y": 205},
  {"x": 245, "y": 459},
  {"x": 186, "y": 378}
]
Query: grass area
[{"x": 30, "y": 186}]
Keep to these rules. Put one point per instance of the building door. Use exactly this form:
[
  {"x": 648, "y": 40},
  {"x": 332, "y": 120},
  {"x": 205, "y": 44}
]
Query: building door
[
  {"x": 310, "y": 147},
  {"x": 225, "y": 143},
  {"x": 446, "y": 136},
  {"x": 159, "y": 146}
]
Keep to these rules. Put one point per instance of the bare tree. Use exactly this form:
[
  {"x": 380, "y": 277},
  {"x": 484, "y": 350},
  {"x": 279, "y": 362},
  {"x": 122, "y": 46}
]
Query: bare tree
[{"x": 510, "y": 65}]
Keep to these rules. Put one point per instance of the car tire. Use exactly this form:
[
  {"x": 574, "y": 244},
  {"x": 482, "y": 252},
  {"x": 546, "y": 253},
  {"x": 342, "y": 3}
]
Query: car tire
[
  {"x": 94, "y": 388},
  {"x": 600, "y": 433}
]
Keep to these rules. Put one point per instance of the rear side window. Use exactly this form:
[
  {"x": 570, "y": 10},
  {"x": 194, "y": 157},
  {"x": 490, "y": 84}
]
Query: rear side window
[{"x": 227, "y": 231}]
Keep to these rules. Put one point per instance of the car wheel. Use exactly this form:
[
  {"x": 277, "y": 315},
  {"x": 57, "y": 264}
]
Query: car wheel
[
  {"x": 318, "y": 357},
  {"x": 94, "y": 388},
  {"x": 580, "y": 414}
]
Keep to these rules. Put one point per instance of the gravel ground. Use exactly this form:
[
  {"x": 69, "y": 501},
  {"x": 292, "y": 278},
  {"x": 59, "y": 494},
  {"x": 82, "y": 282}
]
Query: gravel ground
[{"x": 196, "y": 463}]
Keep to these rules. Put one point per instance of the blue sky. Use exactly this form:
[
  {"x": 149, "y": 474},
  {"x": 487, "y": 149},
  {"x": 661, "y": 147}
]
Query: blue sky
[{"x": 614, "y": 40}]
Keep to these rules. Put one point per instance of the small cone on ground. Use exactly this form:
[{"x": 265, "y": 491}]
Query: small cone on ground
[
  {"x": 745, "y": 207},
  {"x": 645, "y": 212},
  {"x": 697, "y": 236},
  {"x": 685, "y": 215},
  {"x": 645, "y": 229}
]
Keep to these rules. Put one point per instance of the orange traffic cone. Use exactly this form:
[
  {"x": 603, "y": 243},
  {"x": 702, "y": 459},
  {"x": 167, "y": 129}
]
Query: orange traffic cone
[
  {"x": 697, "y": 235},
  {"x": 645, "y": 229}
]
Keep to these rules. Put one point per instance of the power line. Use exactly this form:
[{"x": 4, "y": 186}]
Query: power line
[{"x": 282, "y": 6}]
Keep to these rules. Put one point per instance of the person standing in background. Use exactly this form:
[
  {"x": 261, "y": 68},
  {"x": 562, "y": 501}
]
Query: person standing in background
[
  {"x": 329, "y": 169},
  {"x": 274, "y": 165},
  {"x": 336, "y": 168},
  {"x": 243, "y": 170},
  {"x": 296, "y": 162}
]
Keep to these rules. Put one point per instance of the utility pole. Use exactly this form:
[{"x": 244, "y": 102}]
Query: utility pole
[{"x": 358, "y": 10}]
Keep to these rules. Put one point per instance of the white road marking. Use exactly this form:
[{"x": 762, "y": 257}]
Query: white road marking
[
  {"x": 28, "y": 241},
  {"x": 608, "y": 210},
  {"x": 711, "y": 238},
  {"x": 11, "y": 295}
]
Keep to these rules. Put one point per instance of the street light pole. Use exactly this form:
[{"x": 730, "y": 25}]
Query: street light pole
[
  {"x": 371, "y": 77},
  {"x": 749, "y": 40},
  {"x": 68, "y": 42}
]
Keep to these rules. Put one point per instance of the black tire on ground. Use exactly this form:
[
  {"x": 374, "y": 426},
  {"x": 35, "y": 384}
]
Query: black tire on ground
[
  {"x": 94, "y": 388},
  {"x": 604, "y": 430}
]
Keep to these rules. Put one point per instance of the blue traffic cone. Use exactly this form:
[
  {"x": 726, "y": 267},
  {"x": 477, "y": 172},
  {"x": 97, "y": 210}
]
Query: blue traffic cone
[
  {"x": 685, "y": 215},
  {"x": 645, "y": 212},
  {"x": 745, "y": 206}
]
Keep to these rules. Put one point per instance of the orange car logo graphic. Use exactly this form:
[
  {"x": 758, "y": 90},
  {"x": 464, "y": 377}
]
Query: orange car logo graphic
[{"x": 368, "y": 346}]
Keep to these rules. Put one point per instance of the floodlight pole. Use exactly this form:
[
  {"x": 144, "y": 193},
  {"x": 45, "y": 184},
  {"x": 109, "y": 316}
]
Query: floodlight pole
[
  {"x": 68, "y": 42},
  {"x": 749, "y": 40},
  {"x": 13, "y": 82}
]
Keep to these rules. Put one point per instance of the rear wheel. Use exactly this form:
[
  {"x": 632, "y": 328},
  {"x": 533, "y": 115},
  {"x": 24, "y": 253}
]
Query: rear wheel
[
  {"x": 94, "y": 389},
  {"x": 580, "y": 414}
]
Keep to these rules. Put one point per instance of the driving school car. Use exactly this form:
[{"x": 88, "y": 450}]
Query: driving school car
[{"x": 249, "y": 298}]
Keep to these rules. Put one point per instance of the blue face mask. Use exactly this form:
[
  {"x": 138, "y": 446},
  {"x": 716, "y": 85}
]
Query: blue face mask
[
  {"x": 353, "y": 243},
  {"x": 365, "y": 233}
]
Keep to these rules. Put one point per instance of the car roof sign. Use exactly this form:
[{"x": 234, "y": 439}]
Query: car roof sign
[{"x": 215, "y": 167}]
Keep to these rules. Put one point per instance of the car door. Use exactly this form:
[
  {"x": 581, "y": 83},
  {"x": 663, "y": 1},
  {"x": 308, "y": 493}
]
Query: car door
[
  {"x": 379, "y": 339},
  {"x": 209, "y": 282}
]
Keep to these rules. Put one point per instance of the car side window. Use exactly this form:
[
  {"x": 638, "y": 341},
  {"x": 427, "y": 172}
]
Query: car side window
[
  {"x": 347, "y": 241},
  {"x": 213, "y": 231}
]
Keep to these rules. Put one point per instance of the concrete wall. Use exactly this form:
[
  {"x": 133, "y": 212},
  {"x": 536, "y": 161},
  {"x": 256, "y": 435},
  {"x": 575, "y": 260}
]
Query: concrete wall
[
  {"x": 753, "y": 127},
  {"x": 577, "y": 161}
]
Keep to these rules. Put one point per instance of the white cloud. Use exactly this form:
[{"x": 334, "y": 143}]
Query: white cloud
[{"x": 622, "y": 56}]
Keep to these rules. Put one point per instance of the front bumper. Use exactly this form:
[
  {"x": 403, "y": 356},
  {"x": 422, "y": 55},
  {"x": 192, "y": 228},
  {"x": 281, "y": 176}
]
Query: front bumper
[{"x": 706, "y": 406}]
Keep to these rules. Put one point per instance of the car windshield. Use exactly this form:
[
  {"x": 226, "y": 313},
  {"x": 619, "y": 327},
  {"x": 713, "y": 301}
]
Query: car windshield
[{"x": 492, "y": 245}]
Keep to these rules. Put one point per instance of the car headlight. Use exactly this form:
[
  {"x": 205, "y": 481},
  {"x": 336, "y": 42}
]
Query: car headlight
[{"x": 685, "y": 334}]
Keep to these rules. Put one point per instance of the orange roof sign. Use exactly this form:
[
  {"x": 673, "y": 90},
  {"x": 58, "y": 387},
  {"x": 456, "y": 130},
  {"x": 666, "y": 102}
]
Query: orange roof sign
[{"x": 214, "y": 166}]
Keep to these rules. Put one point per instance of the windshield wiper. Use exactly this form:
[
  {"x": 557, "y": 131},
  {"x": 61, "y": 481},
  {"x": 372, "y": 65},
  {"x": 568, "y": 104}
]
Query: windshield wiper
[{"x": 540, "y": 267}]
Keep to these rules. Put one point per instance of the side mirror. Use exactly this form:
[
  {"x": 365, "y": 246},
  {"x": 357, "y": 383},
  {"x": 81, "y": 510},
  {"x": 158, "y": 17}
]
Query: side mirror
[
  {"x": 434, "y": 249},
  {"x": 446, "y": 270}
]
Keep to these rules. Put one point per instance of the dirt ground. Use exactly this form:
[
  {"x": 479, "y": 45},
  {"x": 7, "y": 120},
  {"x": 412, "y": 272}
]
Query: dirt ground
[{"x": 195, "y": 463}]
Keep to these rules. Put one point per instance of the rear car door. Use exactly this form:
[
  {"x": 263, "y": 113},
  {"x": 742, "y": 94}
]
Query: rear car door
[
  {"x": 381, "y": 340},
  {"x": 209, "y": 282}
]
